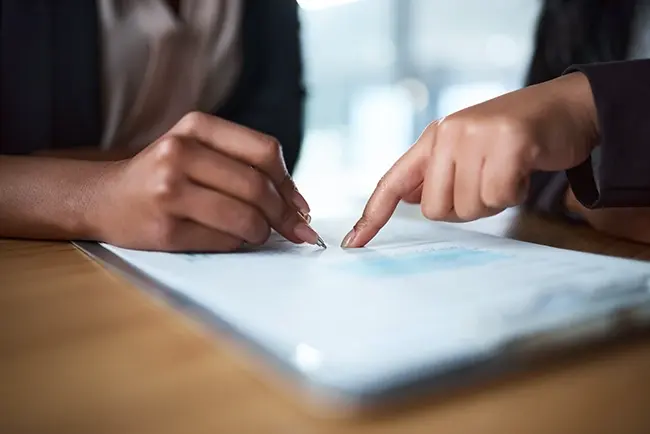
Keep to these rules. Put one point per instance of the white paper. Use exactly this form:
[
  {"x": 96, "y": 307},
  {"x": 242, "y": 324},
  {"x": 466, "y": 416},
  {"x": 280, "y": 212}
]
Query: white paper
[{"x": 420, "y": 293}]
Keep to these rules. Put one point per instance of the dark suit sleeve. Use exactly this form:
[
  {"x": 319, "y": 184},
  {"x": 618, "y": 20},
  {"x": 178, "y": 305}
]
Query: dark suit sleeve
[
  {"x": 622, "y": 96},
  {"x": 270, "y": 94}
]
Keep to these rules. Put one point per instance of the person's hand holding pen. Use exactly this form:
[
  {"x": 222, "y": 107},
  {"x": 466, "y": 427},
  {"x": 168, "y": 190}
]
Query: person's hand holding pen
[
  {"x": 206, "y": 185},
  {"x": 478, "y": 161}
]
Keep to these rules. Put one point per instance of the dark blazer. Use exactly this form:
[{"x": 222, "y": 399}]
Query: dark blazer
[
  {"x": 591, "y": 32},
  {"x": 622, "y": 96},
  {"x": 621, "y": 177},
  {"x": 50, "y": 91}
]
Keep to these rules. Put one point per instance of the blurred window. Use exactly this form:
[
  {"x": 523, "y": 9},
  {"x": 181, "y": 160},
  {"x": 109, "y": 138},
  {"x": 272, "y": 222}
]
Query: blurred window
[{"x": 378, "y": 71}]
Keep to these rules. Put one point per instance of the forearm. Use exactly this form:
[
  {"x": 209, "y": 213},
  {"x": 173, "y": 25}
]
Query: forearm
[
  {"x": 47, "y": 198},
  {"x": 89, "y": 154}
]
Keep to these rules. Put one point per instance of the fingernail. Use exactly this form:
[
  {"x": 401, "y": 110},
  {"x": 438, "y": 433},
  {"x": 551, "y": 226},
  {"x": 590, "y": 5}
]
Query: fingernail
[
  {"x": 305, "y": 233},
  {"x": 300, "y": 202},
  {"x": 348, "y": 239}
]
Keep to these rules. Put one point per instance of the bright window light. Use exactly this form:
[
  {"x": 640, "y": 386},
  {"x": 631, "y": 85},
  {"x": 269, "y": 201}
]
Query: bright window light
[{"x": 322, "y": 4}]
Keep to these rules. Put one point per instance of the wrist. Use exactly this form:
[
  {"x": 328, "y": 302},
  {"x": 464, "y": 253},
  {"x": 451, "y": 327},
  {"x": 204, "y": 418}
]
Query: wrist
[
  {"x": 89, "y": 200},
  {"x": 579, "y": 98}
]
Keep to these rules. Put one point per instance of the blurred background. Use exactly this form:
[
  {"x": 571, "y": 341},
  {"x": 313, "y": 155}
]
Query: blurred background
[{"x": 378, "y": 71}]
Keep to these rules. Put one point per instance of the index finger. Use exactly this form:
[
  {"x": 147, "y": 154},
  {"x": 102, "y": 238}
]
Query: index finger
[
  {"x": 255, "y": 149},
  {"x": 244, "y": 144},
  {"x": 405, "y": 176},
  {"x": 251, "y": 147}
]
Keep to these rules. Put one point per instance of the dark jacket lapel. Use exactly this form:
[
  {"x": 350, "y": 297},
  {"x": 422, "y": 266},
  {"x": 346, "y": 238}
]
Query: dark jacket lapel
[{"x": 50, "y": 93}]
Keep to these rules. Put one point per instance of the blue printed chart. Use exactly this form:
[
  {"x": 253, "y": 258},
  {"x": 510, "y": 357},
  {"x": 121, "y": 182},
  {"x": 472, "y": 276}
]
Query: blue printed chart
[{"x": 400, "y": 263}]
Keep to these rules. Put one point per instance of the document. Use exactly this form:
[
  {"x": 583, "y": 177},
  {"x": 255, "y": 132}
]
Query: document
[
  {"x": 442, "y": 260},
  {"x": 423, "y": 285}
]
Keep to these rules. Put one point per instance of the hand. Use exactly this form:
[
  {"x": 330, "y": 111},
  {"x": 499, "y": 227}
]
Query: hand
[
  {"x": 478, "y": 161},
  {"x": 206, "y": 185},
  {"x": 632, "y": 224}
]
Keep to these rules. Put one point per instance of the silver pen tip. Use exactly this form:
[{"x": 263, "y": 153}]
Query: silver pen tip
[{"x": 321, "y": 243}]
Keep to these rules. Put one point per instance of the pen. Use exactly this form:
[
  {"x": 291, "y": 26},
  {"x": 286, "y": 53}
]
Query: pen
[{"x": 320, "y": 243}]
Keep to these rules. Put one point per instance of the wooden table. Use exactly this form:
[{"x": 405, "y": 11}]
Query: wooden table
[{"x": 82, "y": 351}]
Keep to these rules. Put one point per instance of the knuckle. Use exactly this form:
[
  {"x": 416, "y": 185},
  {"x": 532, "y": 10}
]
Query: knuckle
[
  {"x": 433, "y": 125},
  {"x": 508, "y": 126},
  {"x": 430, "y": 130},
  {"x": 448, "y": 141},
  {"x": 169, "y": 150},
  {"x": 519, "y": 151},
  {"x": 167, "y": 184},
  {"x": 450, "y": 127},
  {"x": 189, "y": 122},
  {"x": 167, "y": 174},
  {"x": 516, "y": 135},
  {"x": 272, "y": 148}
]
